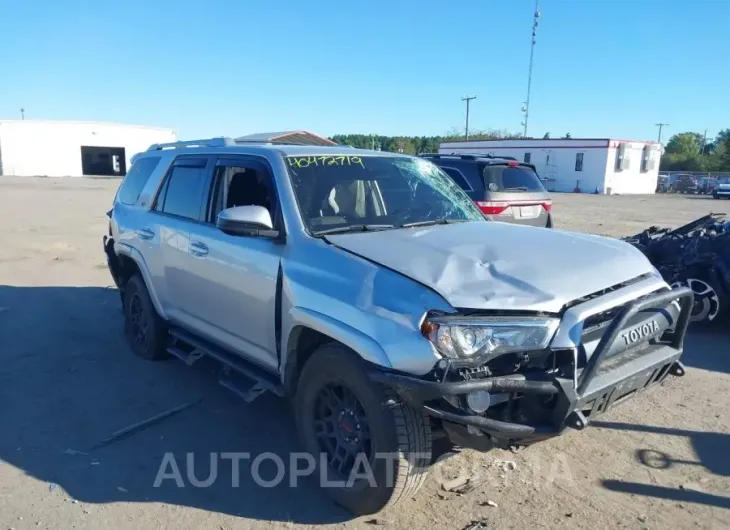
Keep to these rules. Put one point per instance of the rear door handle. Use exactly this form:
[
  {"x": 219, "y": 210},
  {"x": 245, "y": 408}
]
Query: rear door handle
[
  {"x": 145, "y": 233},
  {"x": 198, "y": 248}
]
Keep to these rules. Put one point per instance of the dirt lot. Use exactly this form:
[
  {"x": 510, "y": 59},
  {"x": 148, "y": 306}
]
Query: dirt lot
[{"x": 67, "y": 381}]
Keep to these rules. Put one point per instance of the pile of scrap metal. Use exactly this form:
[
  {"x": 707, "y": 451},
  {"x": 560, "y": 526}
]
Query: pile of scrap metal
[{"x": 697, "y": 255}]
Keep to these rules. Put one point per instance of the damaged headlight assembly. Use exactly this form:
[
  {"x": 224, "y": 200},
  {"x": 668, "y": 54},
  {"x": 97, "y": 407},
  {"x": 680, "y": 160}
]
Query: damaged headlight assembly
[{"x": 484, "y": 338}]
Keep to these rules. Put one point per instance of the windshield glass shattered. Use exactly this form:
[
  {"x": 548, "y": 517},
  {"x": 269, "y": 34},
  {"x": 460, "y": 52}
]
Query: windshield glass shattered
[{"x": 361, "y": 193}]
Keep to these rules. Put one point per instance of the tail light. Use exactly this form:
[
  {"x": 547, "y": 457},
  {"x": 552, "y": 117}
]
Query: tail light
[
  {"x": 492, "y": 208},
  {"x": 496, "y": 208}
]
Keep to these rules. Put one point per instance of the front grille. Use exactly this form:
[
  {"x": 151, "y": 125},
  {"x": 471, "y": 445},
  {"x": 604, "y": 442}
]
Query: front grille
[
  {"x": 600, "y": 320},
  {"x": 595, "y": 325}
]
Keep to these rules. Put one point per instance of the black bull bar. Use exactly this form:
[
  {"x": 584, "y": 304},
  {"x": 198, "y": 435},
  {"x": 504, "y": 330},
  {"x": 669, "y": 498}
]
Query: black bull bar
[{"x": 584, "y": 392}]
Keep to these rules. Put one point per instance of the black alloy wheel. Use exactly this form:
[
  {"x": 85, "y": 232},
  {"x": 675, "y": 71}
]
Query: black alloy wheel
[{"x": 341, "y": 427}]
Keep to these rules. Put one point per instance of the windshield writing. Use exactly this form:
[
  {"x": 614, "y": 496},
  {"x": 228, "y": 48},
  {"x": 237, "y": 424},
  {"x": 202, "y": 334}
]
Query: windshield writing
[
  {"x": 306, "y": 161},
  {"x": 342, "y": 191}
]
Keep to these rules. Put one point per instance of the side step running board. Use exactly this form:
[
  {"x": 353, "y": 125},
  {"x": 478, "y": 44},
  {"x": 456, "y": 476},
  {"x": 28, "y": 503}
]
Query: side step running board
[{"x": 234, "y": 365}]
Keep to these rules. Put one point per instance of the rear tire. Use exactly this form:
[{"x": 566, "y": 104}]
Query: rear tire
[
  {"x": 146, "y": 332},
  {"x": 382, "y": 425}
]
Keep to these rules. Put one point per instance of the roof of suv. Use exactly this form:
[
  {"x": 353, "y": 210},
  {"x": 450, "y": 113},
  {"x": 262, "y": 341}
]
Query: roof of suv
[
  {"x": 485, "y": 158},
  {"x": 287, "y": 149},
  {"x": 467, "y": 156},
  {"x": 481, "y": 157}
]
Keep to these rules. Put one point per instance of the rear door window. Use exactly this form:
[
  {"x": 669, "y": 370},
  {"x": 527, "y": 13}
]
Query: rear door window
[
  {"x": 182, "y": 193},
  {"x": 511, "y": 178},
  {"x": 136, "y": 179}
]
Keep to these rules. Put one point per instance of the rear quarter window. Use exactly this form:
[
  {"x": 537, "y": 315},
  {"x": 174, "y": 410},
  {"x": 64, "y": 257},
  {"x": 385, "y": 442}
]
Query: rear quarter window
[
  {"x": 458, "y": 177},
  {"x": 509, "y": 178},
  {"x": 136, "y": 179}
]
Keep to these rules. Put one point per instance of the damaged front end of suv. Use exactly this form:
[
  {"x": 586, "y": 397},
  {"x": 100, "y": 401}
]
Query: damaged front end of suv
[{"x": 515, "y": 378}]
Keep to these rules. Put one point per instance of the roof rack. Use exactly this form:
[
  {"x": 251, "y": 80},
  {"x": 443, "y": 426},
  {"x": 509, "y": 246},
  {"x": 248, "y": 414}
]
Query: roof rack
[
  {"x": 473, "y": 156},
  {"x": 210, "y": 142},
  {"x": 224, "y": 141},
  {"x": 275, "y": 142}
]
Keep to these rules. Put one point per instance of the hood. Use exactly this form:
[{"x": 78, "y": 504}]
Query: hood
[{"x": 500, "y": 266}]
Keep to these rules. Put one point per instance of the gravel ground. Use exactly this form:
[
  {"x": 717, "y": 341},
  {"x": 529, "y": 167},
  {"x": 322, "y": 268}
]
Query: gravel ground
[{"x": 67, "y": 381}]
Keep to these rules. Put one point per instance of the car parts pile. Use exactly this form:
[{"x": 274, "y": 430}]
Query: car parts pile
[{"x": 696, "y": 255}]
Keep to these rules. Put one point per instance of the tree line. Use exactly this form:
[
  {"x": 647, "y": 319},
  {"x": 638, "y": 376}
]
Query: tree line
[
  {"x": 687, "y": 151},
  {"x": 691, "y": 151},
  {"x": 416, "y": 145}
]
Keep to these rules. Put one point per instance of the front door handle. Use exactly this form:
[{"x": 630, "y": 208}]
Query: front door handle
[
  {"x": 198, "y": 248},
  {"x": 145, "y": 233}
]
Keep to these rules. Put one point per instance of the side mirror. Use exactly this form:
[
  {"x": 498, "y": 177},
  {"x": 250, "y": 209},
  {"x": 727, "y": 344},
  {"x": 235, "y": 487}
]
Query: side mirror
[{"x": 246, "y": 221}]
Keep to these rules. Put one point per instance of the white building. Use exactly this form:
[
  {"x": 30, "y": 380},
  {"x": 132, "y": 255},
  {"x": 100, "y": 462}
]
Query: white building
[
  {"x": 73, "y": 148},
  {"x": 585, "y": 164}
]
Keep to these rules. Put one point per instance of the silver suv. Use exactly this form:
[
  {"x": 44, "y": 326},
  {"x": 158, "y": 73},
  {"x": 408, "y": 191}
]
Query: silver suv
[{"x": 369, "y": 289}]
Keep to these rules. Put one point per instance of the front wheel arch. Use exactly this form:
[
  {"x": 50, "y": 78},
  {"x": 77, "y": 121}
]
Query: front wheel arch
[
  {"x": 302, "y": 342},
  {"x": 313, "y": 329}
]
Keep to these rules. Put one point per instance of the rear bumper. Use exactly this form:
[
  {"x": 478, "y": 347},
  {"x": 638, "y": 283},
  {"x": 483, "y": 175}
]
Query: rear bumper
[
  {"x": 592, "y": 390},
  {"x": 544, "y": 220}
]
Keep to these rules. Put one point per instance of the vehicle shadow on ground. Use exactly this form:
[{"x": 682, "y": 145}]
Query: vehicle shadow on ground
[
  {"x": 707, "y": 348},
  {"x": 68, "y": 381},
  {"x": 711, "y": 448},
  {"x": 700, "y": 197}
]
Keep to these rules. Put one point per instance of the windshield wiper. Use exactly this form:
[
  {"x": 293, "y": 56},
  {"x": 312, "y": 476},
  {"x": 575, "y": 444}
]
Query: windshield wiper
[
  {"x": 433, "y": 222},
  {"x": 352, "y": 228}
]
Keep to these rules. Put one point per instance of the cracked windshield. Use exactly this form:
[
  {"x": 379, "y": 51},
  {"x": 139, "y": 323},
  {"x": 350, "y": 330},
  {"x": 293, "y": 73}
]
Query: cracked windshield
[{"x": 353, "y": 193}]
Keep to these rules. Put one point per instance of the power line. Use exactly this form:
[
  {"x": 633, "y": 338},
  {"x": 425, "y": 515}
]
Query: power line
[
  {"x": 467, "y": 99},
  {"x": 661, "y": 126}
]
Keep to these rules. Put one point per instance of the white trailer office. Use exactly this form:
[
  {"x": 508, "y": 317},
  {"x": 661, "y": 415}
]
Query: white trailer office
[{"x": 578, "y": 164}]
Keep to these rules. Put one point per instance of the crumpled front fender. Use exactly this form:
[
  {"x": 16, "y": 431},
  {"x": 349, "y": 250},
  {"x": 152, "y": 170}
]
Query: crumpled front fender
[{"x": 373, "y": 310}]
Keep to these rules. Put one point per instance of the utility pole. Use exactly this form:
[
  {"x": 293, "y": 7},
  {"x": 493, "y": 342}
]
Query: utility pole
[
  {"x": 526, "y": 106},
  {"x": 661, "y": 126},
  {"x": 467, "y": 99},
  {"x": 704, "y": 143},
  {"x": 22, "y": 114}
]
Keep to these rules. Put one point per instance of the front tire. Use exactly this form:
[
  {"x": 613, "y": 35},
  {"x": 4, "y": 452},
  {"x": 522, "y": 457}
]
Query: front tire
[
  {"x": 710, "y": 298},
  {"x": 145, "y": 330},
  {"x": 340, "y": 414}
]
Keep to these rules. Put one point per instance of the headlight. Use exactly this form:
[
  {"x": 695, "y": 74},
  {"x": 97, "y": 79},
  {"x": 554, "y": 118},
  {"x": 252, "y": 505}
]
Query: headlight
[{"x": 488, "y": 337}]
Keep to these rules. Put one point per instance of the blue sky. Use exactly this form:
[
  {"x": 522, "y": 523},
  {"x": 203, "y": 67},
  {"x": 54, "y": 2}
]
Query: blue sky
[{"x": 602, "y": 67}]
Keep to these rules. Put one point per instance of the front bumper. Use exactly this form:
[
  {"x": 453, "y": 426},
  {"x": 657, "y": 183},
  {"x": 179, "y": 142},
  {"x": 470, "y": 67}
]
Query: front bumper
[{"x": 591, "y": 391}]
